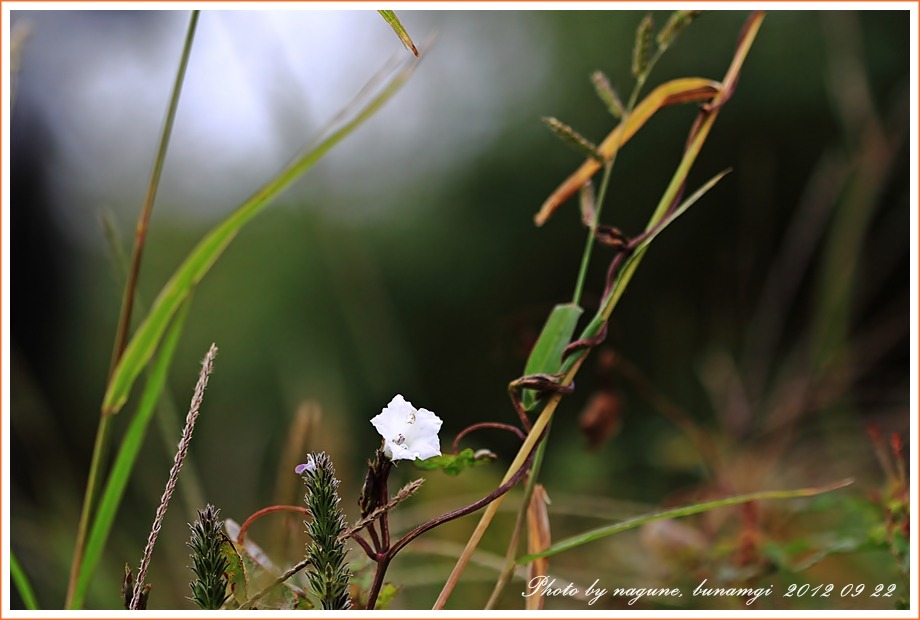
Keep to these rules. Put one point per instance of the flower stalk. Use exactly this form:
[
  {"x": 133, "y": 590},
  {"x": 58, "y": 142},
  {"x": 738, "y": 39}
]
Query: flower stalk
[{"x": 206, "y": 366}]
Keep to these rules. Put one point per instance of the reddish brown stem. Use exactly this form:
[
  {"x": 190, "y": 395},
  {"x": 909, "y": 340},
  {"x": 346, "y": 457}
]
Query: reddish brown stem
[
  {"x": 262, "y": 513},
  {"x": 364, "y": 545},
  {"x": 383, "y": 560},
  {"x": 495, "y": 425},
  {"x": 462, "y": 512}
]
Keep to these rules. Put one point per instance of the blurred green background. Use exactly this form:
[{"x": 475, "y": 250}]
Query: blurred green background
[{"x": 772, "y": 320}]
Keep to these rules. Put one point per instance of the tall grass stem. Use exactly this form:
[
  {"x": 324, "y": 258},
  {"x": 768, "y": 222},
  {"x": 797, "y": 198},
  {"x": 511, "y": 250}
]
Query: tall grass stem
[{"x": 101, "y": 446}]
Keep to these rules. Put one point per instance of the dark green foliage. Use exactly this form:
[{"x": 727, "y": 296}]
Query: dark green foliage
[
  {"x": 328, "y": 571},
  {"x": 209, "y": 590}
]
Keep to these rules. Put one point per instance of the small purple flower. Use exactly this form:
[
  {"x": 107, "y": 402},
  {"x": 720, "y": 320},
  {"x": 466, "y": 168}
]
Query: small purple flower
[{"x": 309, "y": 466}]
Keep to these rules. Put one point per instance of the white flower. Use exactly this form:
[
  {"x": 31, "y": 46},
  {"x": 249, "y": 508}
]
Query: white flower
[{"x": 408, "y": 433}]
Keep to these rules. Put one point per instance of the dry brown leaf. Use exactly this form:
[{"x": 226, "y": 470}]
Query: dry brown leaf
[
  {"x": 538, "y": 539},
  {"x": 683, "y": 90}
]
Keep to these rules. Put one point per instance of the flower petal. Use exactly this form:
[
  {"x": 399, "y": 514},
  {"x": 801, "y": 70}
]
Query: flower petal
[
  {"x": 309, "y": 466},
  {"x": 408, "y": 433}
]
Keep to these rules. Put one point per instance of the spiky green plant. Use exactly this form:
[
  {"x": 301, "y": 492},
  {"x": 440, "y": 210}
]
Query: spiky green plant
[
  {"x": 327, "y": 571},
  {"x": 209, "y": 590}
]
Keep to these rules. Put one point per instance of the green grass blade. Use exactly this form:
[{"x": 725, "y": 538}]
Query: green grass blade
[
  {"x": 126, "y": 458},
  {"x": 203, "y": 256},
  {"x": 686, "y": 204},
  {"x": 683, "y": 511},
  {"x": 140, "y": 236},
  {"x": 21, "y": 581},
  {"x": 396, "y": 25},
  {"x": 594, "y": 326},
  {"x": 129, "y": 297}
]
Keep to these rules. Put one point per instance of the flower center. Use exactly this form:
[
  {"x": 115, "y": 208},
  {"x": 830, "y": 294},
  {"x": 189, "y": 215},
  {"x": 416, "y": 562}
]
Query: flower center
[{"x": 399, "y": 440}]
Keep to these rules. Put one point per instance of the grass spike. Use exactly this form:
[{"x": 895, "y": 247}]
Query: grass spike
[
  {"x": 573, "y": 138},
  {"x": 640, "y": 49},
  {"x": 673, "y": 27},
  {"x": 607, "y": 94}
]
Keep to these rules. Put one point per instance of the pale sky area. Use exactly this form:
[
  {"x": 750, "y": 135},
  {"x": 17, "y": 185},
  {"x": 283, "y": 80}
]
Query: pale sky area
[{"x": 259, "y": 85}]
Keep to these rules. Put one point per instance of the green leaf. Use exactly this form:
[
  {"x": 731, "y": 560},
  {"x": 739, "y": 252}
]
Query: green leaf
[
  {"x": 148, "y": 335},
  {"x": 546, "y": 355},
  {"x": 126, "y": 458},
  {"x": 302, "y": 602},
  {"x": 21, "y": 581},
  {"x": 683, "y": 511},
  {"x": 390, "y": 18},
  {"x": 236, "y": 572},
  {"x": 453, "y": 464},
  {"x": 387, "y": 592}
]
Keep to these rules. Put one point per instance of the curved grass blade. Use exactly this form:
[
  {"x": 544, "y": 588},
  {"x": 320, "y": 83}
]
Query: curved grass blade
[
  {"x": 203, "y": 256},
  {"x": 396, "y": 25},
  {"x": 140, "y": 237},
  {"x": 686, "y": 204},
  {"x": 129, "y": 298},
  {"x": 683, "y": 511},
  {"x": 683, "y": 90},
  {"x": 21, "y": 581},
  {"x": 632, "y": 264},
  {"x": 126, "y": 458}
]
